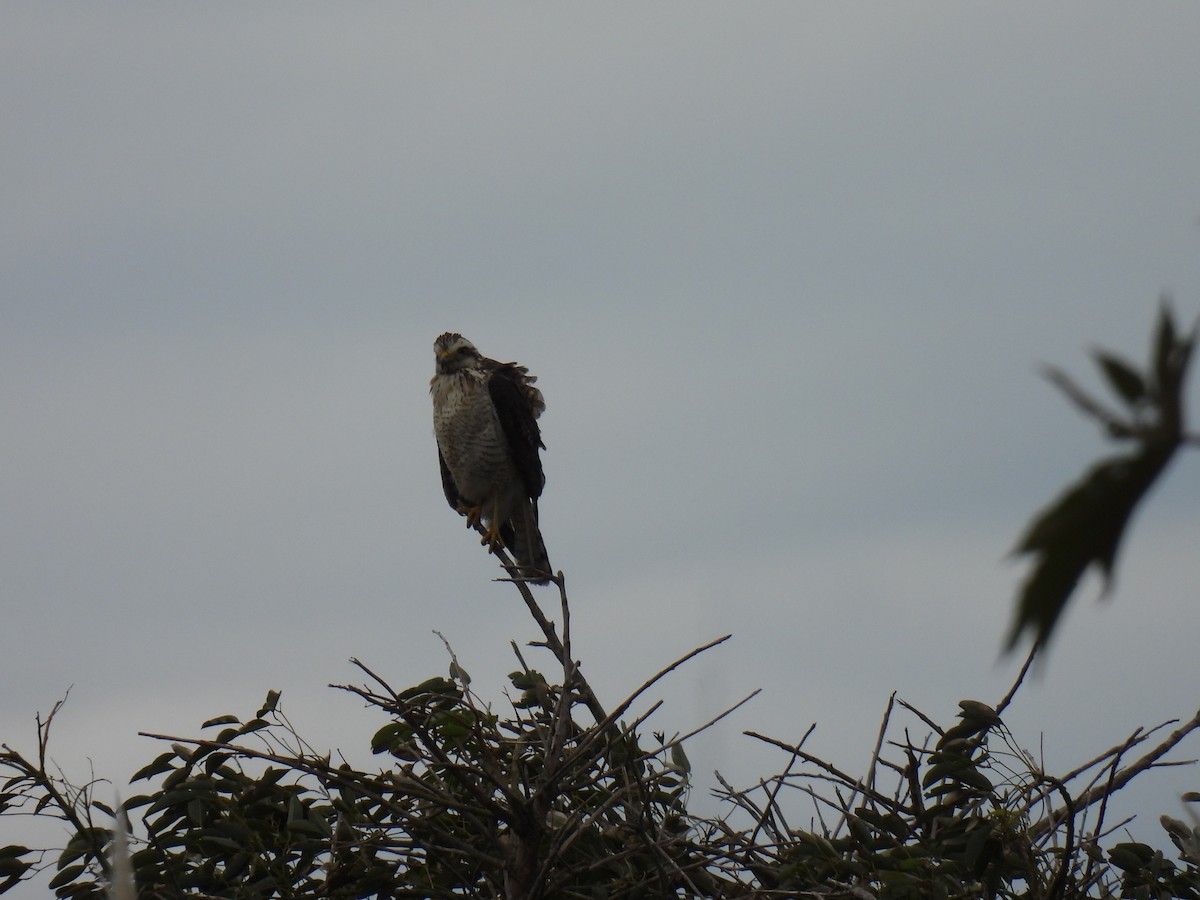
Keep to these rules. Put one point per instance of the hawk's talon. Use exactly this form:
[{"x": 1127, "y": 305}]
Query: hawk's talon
[
  {"x": 471, "y": 512},
  {"x": 491, "y": 539}
]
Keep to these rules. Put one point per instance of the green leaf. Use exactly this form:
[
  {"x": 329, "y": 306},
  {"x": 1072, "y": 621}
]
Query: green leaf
[
  {"x": 978, "y": 840},
  {"x": 138, "y": 800},
  {"x": 12, "y": 869},
  {"x": 269, "y": 704},
  {"x": 218, "y": 841},
  {"x": 235, "y": 830},
  {"x": 215, "y": 761},
  {"x": 963, "y": 731},
  {"x": 526, "y": 681},
  {"x": 1125, "y": 380},
  {"x": 390, "y": 736},
  {"x": 453, "y": 724},
  {"x": 973, "y": 710},
  {"x": 972, "y": 777},
  {"x": 67, "y": 875},
  {"x": 83, "y": 843},
  {"x": 679, "y": 759},
  {"x": 295, "y": 808},
  {"x": 171, "y": 798},
  {"x": 889, "y": 822},
  {"x": 1086, "y": 525},
  {"x": 944, "y": 770},
  {"x": 163, "y": 763},
  {"x": 1082, "y": 528},
  {"x": 104, "y": 808},
  {"x": 1165, "y": 347},
  {"x": 303, "y": 826},
  {"x": 222, "y": 720},
  {"x": 437, "y": 686},
  {"x": 253, "y": 725},
  {"x": 237, "y": 864},
  {"x": 458, "y": 673},
  {"x": 860, "y": 830},
  {"x": 1130, "y": 856}
]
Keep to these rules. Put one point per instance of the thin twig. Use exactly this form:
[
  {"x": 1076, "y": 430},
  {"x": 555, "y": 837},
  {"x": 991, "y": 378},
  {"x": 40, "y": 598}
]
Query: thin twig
[
  {"x": 1012, "y": 692},
  {"x": 650, "y": 754},
  {"x": 1119, "y": 780},
  {"x": 773, "y": 794},
  {"x": 612, "y": 717},
  {"x": 837, "y": 775}
]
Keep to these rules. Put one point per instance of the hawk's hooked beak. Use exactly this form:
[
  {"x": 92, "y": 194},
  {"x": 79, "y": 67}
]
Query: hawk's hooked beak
[{"x": 442, "y": 360}]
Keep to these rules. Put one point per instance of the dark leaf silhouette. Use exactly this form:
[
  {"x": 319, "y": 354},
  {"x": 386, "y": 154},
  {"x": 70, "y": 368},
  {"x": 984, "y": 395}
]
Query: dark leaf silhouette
[
  {"x": 1125, "y": 379},
  {"x": 1085, "y": 525}
]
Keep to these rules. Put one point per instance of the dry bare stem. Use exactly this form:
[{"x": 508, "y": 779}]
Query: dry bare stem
[
  {"x": 836, "y": 775},
  {"x": 1123, "y": 777}
]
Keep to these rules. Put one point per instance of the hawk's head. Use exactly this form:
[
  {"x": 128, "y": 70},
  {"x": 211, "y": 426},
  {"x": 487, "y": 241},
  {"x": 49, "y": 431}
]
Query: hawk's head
[{"x": 452, "y": 352}]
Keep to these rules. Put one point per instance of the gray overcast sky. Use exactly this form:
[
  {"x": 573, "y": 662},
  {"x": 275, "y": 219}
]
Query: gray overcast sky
[{"x": 785, "y": 270}]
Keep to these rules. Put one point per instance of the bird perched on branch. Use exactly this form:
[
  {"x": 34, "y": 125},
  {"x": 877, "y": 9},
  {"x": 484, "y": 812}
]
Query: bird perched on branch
[{"x": 485, "y": 421}]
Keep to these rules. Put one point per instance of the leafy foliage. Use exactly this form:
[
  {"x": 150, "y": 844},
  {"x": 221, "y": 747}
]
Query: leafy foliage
[
  {"x": 529, "y": 806},
  {"x": 535, "y": 804},
  {"x": 1085, "y": 525}
]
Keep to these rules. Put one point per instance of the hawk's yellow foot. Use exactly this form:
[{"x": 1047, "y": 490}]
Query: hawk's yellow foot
[
  {"x": 491, "y": 538},
  {"x": 472, "y": 513}
]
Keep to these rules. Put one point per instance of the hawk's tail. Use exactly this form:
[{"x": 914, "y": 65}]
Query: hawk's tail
[{"x": 527, "y": 546}]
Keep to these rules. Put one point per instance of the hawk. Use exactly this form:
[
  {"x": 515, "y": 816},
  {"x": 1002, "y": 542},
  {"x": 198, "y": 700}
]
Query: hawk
[{"x": 485, "y": 421}]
